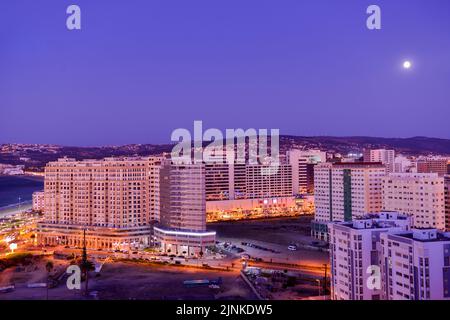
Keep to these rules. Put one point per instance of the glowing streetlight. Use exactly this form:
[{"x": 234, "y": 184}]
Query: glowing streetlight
[{"x": 12, "y": 247}]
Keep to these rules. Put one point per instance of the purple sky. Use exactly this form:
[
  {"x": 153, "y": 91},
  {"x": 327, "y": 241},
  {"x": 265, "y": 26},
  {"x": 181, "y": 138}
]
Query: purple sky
[{"x": 139, "y": 69}]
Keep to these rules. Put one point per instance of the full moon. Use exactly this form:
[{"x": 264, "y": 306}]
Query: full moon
[{"x": 406, "y": 64}]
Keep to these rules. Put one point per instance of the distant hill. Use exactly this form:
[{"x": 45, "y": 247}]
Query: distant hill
[
  {"x": 410, "y": 146},
  {"x": 39, "y": 155}
]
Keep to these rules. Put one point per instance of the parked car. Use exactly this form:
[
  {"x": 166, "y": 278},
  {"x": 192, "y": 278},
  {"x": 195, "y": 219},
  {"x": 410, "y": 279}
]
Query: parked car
[{"x": 292, "y": 247}]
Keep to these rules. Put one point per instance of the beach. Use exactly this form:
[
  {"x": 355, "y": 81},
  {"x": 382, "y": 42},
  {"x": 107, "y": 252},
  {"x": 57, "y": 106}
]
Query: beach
[{"x": 16, "y": 193}]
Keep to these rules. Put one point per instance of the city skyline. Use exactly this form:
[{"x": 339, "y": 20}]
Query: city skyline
[
  {"x": 222, "y": 157},
  {"x": 308, "y": 68}
]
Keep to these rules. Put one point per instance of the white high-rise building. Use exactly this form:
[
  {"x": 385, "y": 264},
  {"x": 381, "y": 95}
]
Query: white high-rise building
[
  {"x": 354, "y": 248},
  {"x": 403, "y": 164},
  {"x": 344, "y": 191},
  {"x": 420, "y": 195},
  {"x": 384, "y": 156},
  {"x": 38, "y": 201},
  {"x": 416, "y": 265},
  {"x": 299, "y": 160}
]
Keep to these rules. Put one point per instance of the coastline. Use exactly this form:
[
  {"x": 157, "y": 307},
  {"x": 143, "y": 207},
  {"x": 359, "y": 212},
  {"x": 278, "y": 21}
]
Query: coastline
[
  {"x": 9, "y": 208},
  {"x": 28, "y": 176},
  {"x": 13, "y": 209}
]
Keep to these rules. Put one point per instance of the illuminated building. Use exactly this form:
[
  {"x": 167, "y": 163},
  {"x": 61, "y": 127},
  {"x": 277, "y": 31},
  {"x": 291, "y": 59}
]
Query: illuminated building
[
  {"x": 230, "y": 188},
  {"x": 182, "y": 226},
  {"x": 259, "y": 208},
  {"x": 114, "y": 199}
]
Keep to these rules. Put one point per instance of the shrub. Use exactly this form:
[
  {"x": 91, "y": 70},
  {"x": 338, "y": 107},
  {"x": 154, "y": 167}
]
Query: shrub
[{"x": 16, "y": 259}]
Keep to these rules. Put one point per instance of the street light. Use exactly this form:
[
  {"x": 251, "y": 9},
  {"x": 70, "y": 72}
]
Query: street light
[
  {"x": 12, "y": 247},
  {"x": 318, "y": 285}
]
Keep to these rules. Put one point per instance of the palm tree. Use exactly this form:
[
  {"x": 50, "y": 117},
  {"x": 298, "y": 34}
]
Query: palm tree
[
  {"x": 49, "y": 268},
  {"x": 85, "y": 264}
]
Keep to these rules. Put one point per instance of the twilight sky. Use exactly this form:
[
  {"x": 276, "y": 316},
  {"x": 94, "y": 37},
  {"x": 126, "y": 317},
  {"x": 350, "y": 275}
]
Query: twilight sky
[{"x": 139, "y": 69}]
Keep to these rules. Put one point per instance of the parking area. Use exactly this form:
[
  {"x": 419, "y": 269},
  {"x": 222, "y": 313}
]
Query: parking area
[{"x": 272, "y": 240}]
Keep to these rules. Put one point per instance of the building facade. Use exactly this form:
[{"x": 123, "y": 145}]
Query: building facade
[
  {"x": 230, "y": 188},
  {"x": 433, "y": 165},
  {"x": 302, "y": 163},
  {"x": 404, "y": 164},
  {"x": 115, "y": 200},
  {"x": 416, "y": 265},
  {"x": 182, "y": 226},
  {"x": 447, "y": 202},
  {"x": 354, "y": 248},
  {"x": 225, "y": 181},
  {"x": 38, "y": 201},
  {"x": 384, "y": 156},
  {"x": 265, "y": 182},
  {"x": 344, "y": 191},
  {"x": 420, "y": 195},
  {"x": 259, "y": 208}
]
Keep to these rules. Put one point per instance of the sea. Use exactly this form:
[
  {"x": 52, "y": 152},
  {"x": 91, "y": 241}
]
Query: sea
[{"x": 17, "y": 191}]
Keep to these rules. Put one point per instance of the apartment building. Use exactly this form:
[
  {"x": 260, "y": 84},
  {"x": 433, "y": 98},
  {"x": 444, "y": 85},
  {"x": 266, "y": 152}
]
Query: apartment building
[
  {"x": 420, "y": 195},
  {"x": 416, "y": 265},
  {"x": 354, "y": 249},
  {"x": 447, "y": 202},
  {"x": 115, "y": 200},
  {"x": 245, "y": 181},
  {"x": 225, "y": 181},
  {"x": 386, "y": 157},
  {"x": 264, "y": 181},
  {"x": 38, "y": 200},
  {"x": 437, "y": 165},
  {"x": 302, "y": 163},
  {"x": 344, "y": 191},
  {"x": 182, "y": 226},
  {"x": 404, "y": 164}
]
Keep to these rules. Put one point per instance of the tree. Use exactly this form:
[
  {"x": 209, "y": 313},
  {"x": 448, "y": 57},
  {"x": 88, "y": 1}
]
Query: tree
[
  {"x": 49, "y": 268},
  {"x": 85, "y": 264}
]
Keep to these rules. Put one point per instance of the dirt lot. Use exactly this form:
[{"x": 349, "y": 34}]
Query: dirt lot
[
  {"x": 164, "y": 282},
  {"x": 132, "y": 280},
  {"x": 277, "y": 230}
]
